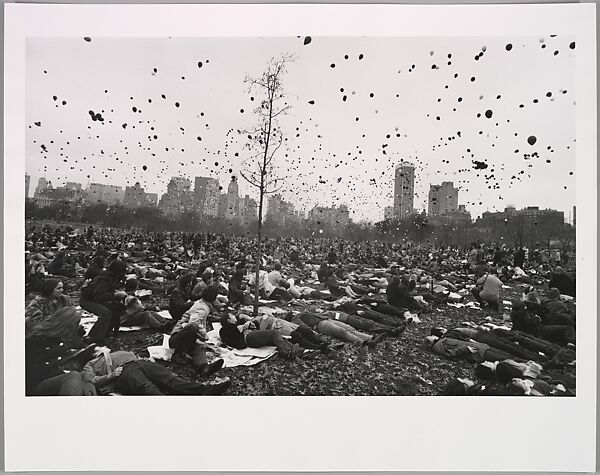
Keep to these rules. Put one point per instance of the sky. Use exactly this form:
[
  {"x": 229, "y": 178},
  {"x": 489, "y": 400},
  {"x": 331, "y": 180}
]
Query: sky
[{"x": 496, "y": 116}]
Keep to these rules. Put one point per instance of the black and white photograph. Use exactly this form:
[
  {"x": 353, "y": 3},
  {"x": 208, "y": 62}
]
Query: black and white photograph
[{"x": 301, "y": 215}]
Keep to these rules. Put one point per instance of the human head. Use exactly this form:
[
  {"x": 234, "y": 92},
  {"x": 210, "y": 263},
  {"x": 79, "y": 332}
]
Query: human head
[
  {"x": 187, "y": 281},
  {"x": 50, "y": 287},
  {"x": 117, "y": 268},
  {"x": 131, "y": 284},
  {"x": 210, "y": 293},
  {"x": 207, "y": 276},
  {"x": 277, "y": 266},
  {"x": 284, "y": 284},
  {"x": 429, "y": 341},
  {"x": 553, "y": 294}
]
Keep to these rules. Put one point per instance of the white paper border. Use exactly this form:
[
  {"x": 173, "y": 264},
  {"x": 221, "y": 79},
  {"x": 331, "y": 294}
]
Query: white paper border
[{"x": 311, "y": 433}]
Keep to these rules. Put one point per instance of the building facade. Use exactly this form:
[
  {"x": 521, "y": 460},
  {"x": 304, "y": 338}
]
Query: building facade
[
  {"x": 442, "y": 199},
  {"x": 404, "y": 189},
  {"x": 27, "y": 180},
  {"x": 333, "y": 217},
  {"x": 206, "y": 196},
  {"x": 105, "y": 194},
  {"x": 136, "y": 197},
  {"x": 178, "y": 198}
]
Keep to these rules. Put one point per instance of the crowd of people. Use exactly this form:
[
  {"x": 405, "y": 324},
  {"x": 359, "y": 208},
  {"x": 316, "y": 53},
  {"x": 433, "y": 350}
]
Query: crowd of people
[{"x": 365, "y": 292}]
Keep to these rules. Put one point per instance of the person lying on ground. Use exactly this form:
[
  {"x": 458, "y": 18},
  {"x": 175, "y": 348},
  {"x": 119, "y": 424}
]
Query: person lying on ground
[
  {"x": 471, "y": 350},
  {"x": 189, "y": 334},
  {"x": 101, "y": 297},
  {"x": 491, "y": 339},
  {"x": 299, "y": 333},
  {"x": 125, "y": 373},
  {"x": 364, "y": 324},
  {"x": 136, "y": 314},
  {"x": 245, "y": 335},
  {"x": 334, "y": 328},
  {"x": 487, "y": 290},
  {"x": 368, "y": 312},
  {"x": 47, "y": 302},
  {"x": 54, "y": 351},
  {"x": 299, "y": 292}
]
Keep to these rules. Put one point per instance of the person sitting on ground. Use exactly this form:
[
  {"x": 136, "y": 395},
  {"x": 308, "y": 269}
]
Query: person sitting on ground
[
  {"x": 338, "y": 288},
  {"x": 275, "y": 275},
  {"x": 322, "y": 272},
  {"x": 242, "y": 335},
  {"x": 53, "y": 350},
  {"x": 100, "y": 297},
  {"x": 49, "y": 300},
  {"x": 558, "y": 311},
  {"x": 95, "y": 267},
  {"x": 193, "y": 327},
  {"x": 487, "y": 290},
  {"x": 136, "y": 314},
  {"x": 180, "y": 299},
  {"x": 267, "y": 290},
  {"x": 238, "y": 294},
  {"x": 398, "y": 294},
  {"x": 124, "y": 372},
  {"x": 205, "y": 280},
  {"x": 60, "y": 266},
  {"x": 553, "y": 327}
]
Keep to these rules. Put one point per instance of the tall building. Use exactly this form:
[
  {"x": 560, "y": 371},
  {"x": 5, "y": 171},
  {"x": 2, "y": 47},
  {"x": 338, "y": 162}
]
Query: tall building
[
  {"x": 248, "y": 209},
  {"x": 404, "y": 189},
  {"x": 178, "y": 198},
  {"x": 42, "y": 185},
  {"x": 443, "y": 199},
  {"x": 206, "y": 196},
  {"x": 106, "y": 194},
  {"x": 27, "y": 179},
  {"x": 388, "y": 212},
  {"x": 222, "y": 205},
  {"x": 136, "y": 197},
  {"x": 233, "y": 200},
  {"x": 574, "y": 215},
  {"x": 281, "y": 211}
]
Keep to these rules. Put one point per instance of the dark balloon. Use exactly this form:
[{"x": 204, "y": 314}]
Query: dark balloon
[
  {"x": 531, "y": 140},
  {"x": 307, "y": 40}
]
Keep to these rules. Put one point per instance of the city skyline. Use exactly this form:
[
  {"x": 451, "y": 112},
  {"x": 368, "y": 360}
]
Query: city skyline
[{"x": 458, "y": 108}]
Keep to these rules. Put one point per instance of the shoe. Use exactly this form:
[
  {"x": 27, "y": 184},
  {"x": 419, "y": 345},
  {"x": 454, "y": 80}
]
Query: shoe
[
  {"x": 309, "y": 354},
  {"x": 378, "y": 338},
  {"x": 206, "y": 370},
  {"x": 215, "y": 388}
]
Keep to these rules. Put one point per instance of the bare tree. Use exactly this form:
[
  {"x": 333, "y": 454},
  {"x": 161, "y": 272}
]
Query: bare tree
[{"x": 264, "y": 140}]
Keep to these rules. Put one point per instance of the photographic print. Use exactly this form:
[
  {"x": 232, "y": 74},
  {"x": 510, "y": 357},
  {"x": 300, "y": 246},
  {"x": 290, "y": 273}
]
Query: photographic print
[
  {"x": 310, "y": 213},
  {"x": 408, "y": 205}
]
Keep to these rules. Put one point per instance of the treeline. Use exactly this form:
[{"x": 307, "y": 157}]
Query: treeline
[{"x": 414, "y": 229}]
